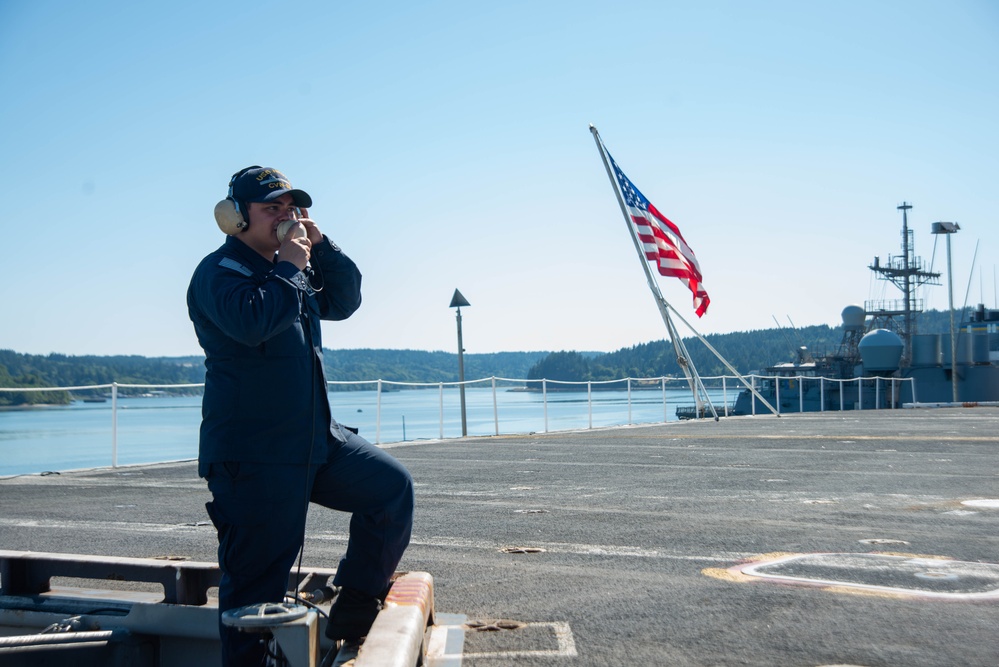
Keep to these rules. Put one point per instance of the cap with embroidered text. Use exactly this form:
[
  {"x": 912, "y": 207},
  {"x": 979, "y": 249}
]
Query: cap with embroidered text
[{"x": 261, "y": 184}]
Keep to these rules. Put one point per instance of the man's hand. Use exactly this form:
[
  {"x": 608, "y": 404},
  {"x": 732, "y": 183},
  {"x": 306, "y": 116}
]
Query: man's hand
[
  {"x": 296, "y": 251},
  {"x": 315, "y": 236}
]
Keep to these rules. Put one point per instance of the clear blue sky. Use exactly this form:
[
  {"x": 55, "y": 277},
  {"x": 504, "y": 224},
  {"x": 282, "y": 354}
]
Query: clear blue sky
[{"x": 446, "y": 145}]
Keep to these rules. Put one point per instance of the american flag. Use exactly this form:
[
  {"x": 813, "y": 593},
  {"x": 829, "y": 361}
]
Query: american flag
[{"x": 662, "y": 241}]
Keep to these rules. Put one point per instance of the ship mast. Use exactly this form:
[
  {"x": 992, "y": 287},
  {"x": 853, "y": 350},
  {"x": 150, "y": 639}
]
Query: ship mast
[{"x": 907, "y": 274}]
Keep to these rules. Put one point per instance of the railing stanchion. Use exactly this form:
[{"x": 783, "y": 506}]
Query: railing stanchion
[
  {"x": 662, "y": 383},
  {"x": 544, "y": 400},
  {"x": 589, "y": 402},
  {"x": 495, "y": 407},
  {"x": 629, "y": 400},
  {"x": 114, "y": 424},
  {"x": 725, "y": 395},
  {"x": 378, "y": 414}
]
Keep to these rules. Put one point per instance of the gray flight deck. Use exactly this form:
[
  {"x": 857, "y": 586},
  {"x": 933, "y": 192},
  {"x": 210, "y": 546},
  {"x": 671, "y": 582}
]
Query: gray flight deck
[{"x": 859, "y": 538}]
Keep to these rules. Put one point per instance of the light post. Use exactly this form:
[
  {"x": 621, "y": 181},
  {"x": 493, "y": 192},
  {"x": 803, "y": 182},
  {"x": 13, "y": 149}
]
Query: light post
[
  {"x": 457, "y": 301},
  {"x": 949, "y": 228}
]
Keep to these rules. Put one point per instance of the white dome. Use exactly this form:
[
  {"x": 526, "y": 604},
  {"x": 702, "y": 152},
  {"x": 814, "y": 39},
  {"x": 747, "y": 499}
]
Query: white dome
[{"x": 853, "y": 317}]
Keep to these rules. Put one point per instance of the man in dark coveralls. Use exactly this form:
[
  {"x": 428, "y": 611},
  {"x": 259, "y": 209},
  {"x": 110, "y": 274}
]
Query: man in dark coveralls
[{"x": 269, "y": 444}]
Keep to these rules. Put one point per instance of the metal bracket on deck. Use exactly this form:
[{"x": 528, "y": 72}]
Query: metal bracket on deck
[{"x": 30, "y": 573}]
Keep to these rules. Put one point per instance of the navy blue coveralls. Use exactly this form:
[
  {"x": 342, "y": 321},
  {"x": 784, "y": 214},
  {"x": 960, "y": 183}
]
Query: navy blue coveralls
[{"x": 269, "y": 444}]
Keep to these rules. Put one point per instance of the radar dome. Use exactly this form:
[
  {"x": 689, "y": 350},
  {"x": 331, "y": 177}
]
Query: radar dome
[
  {"x": 853, "y": 317},
  {"x": 880, "y": 351}
]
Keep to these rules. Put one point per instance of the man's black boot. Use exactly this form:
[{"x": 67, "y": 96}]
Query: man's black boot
[{"x": 352, "y": 614}]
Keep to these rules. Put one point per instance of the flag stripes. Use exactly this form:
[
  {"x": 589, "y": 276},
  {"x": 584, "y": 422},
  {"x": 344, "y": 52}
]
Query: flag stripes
[{"x": 662, "y": 241}]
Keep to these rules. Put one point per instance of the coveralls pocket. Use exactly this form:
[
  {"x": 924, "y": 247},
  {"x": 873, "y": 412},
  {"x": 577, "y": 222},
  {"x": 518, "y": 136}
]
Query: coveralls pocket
[{"x": 251, "y": 511}]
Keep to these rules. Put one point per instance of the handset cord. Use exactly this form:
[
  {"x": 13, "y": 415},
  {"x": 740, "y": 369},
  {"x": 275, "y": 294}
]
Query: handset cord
[
  {"x": 309, "y": 273},
  {"x": 329, "y": 657},
  {"x": 312, "y": 433}
]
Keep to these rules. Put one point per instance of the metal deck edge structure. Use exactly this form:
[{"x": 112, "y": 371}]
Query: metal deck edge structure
[{"x": 398, "y": 637}]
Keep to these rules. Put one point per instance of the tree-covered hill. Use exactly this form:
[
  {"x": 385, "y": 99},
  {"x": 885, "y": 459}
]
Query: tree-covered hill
[
  {"x": 421, "y": 366},
  {"x": 746, "y": 351},
  {"x": 58, "y": 370}
]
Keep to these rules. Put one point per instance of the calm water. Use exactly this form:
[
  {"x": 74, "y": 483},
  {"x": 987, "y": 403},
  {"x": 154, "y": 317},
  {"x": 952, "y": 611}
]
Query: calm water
[{"x": 166, "y": 428}]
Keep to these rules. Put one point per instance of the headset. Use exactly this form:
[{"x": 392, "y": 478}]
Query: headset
[{"x": 231, "y": 218}]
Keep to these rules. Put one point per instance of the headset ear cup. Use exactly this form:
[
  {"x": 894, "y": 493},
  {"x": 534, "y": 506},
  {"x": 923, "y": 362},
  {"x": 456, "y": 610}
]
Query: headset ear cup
[{"x": 229, "y": 219}]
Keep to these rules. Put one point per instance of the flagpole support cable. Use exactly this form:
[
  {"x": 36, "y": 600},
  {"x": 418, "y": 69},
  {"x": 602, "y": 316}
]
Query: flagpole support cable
[{"x": 724, "y": 361}]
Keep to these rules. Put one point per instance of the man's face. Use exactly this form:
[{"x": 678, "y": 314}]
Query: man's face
[{"x": 265, "y": 217}]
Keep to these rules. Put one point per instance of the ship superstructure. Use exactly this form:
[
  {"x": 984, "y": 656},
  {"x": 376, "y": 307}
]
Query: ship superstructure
[{"x": 881, "y": 344}]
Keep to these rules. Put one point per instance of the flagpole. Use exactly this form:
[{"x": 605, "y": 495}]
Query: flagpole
[
  {"x": 683, "y": 359},
  {"x": 664, "y": 306}
]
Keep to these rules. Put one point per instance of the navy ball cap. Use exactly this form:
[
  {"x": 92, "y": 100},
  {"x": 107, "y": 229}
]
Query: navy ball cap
[{"x": 261, "y": 184}]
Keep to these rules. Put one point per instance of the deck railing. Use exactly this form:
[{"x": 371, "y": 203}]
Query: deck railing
[
  {"x": 887, "y": 391},
  {"x": 722, "y": 387}
]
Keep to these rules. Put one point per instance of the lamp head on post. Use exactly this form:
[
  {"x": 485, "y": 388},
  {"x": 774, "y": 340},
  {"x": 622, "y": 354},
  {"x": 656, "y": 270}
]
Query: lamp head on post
[
  {"x": 457, "y": 301},
  {"x": 945, "y": 227}
]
